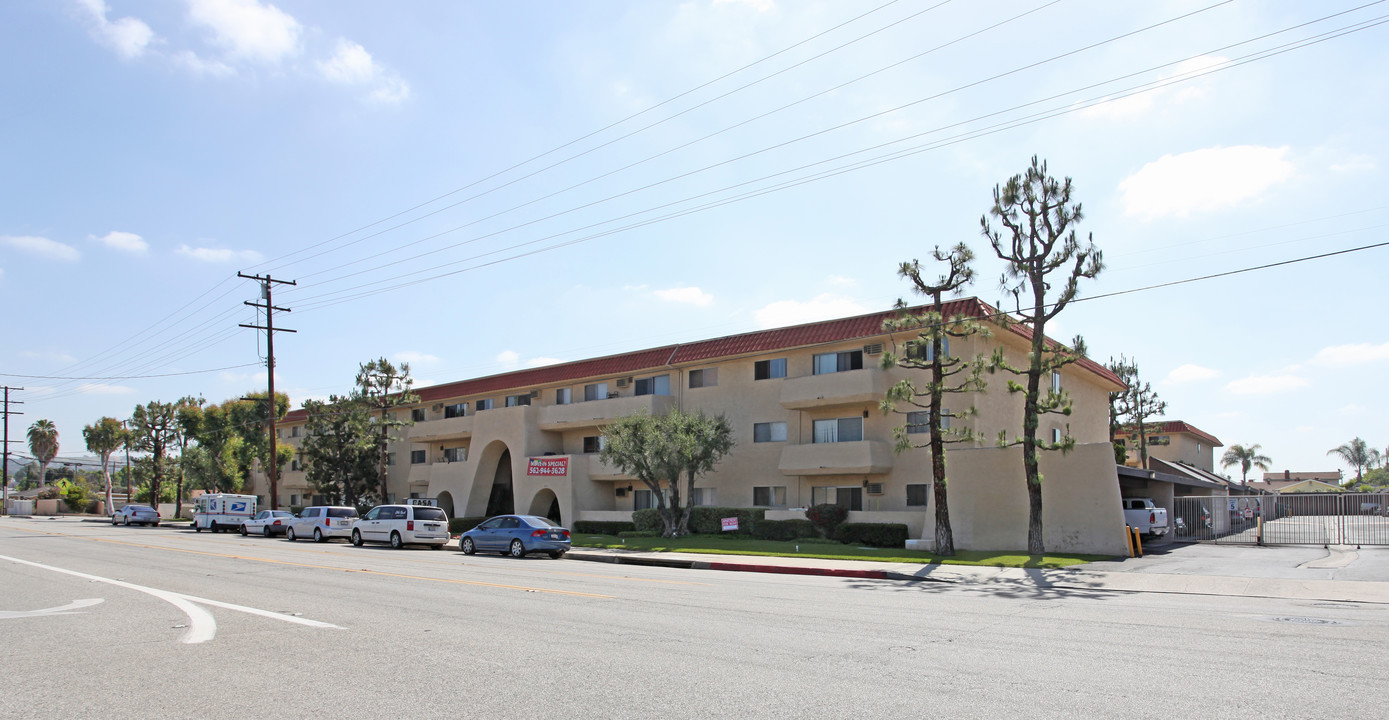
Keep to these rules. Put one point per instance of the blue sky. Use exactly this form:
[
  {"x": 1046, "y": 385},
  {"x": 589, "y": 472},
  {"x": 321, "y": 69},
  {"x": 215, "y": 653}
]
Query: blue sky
[{"x": 479, "y": 187}]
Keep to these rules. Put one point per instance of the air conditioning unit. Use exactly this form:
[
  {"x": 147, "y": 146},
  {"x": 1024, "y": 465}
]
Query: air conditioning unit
[
  {"x": 535, "y": 393},
  {"x": 874, "y": 349},
  {"x": 437, "y": 407},
  {"x": 621, "y": 492},
  {"x": 622, "y": 382},
  {"x": 875, "y": 488}
]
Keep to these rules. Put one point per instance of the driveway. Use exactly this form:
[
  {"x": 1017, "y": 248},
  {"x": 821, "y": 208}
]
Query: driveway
[{"x": 1369, "y": 563}]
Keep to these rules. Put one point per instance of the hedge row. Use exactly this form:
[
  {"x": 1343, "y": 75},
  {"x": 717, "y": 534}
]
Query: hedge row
[
  {"x": 892, "y": 535},
  {"x": 603, "y": 527},
  {"x": 794, "y": 529},
  {"x": 461, "y": 525},
  {"x": 704, "y": 520}
]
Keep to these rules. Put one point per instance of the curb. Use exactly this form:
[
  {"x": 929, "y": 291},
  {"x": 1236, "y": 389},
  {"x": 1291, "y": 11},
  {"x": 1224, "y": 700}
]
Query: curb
[{"x": 746, "y": 567}]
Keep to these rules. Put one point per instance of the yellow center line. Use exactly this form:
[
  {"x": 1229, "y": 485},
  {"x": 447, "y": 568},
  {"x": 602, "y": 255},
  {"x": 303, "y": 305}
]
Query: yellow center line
[{"x": 329, "y": 567}]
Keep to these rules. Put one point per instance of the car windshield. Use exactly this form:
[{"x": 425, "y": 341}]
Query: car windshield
[
  {"x": 281, "y": 513},
  {"x": 540, "y": 522},
  {"x": 429, "y": 513},
  {"x": 342, "y": 512}
]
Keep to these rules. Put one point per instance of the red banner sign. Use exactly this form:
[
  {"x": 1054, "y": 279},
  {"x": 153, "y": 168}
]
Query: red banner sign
[{"x": 547, "y": 466}]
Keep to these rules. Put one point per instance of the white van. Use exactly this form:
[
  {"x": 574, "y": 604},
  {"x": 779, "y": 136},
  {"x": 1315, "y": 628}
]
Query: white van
[
  {"x": 402, "y": 525},
  {"x": 222, "y": 511}
]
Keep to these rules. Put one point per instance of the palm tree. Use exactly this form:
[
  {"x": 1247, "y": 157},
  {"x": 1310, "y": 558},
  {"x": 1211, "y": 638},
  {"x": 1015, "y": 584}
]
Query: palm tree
[
  {"x": 1245, "y": 458},
  {"x": 104, "y": 438},
  {"x": 1358, "y": 454},
  {"x": 43, "y": 443}
]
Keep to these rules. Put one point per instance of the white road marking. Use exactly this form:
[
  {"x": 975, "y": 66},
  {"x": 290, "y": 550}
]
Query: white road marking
[
  {"x": 63, "y": 610},
  {"x": 201, "y": 625}
]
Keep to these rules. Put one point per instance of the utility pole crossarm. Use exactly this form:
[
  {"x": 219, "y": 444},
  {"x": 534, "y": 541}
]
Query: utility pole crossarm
[{"x": 266, "y": 283}]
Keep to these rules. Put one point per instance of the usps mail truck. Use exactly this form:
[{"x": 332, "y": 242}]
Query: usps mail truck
[{"x": 220, "y": 511}]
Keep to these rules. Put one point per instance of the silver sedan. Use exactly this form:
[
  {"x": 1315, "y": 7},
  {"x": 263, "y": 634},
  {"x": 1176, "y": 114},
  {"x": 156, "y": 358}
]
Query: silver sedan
[{"x": 136, "y": 515}]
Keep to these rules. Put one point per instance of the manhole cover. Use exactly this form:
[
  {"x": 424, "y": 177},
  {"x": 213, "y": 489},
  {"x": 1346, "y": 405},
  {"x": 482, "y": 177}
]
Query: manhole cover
[{"x": 1306, "y": 620}]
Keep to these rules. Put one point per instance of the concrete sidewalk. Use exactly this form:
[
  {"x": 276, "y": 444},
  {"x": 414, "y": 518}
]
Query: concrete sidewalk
[{"x": 1078, "y": 578}]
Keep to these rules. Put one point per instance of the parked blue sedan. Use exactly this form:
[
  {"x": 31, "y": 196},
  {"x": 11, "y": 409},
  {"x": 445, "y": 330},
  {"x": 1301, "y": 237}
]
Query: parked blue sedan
[{"x": 516, "y": 535}]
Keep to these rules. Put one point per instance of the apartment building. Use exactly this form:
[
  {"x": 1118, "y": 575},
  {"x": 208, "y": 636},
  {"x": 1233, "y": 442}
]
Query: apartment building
[
  {"x": 803, "y": 402},
  {"x": 1173, "y": 441}
]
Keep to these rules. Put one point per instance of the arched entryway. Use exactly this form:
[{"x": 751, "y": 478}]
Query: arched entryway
[
  {"x": 546, "y": 504},
  {"x": 501, "y": 500},
  {"x": 445, "y": 501}
]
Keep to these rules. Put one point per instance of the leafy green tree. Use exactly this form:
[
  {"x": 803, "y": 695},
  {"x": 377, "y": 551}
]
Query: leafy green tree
[
  {"x": 949, "y": 375},
  {"x": 247, "y": 419},
  {"x": 187, "y": 417},
  {"x": 382, "y": 386},
  {"x": 1246, "y": 458},
  {"x": 104, "y": 437},
  {"x": 1358, "y": 454},
  {"x": 1037, "y": 240},
  {"x": 154, "y": 427},
  {"x": 1132, "y": 407},
  {"x": 340, "y": 449},
  {"x": 658, "y": 449},
  {"x": 43, "y": 443}
]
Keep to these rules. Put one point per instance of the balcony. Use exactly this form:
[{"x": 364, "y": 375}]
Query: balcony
[
  {"x": 599, "y": 470},
  {"x": 599, "y": 412},
  {"x": 863, "y": 457},
  {"x": 455, "y": 428},
  {"x": 853, "y": 387}
]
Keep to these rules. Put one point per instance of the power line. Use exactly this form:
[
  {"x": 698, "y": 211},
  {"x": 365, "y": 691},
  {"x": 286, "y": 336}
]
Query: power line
[{"x": 129, "y": 377}]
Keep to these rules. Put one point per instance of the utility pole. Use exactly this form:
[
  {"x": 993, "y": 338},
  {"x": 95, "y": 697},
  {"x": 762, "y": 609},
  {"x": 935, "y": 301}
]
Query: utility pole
[
  {"x": 5, "y": 468},
  {"x": 266, "y": 283}
]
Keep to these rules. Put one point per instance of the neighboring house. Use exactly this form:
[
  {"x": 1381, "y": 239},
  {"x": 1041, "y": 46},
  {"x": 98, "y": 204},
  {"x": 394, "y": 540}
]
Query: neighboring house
[
  {"x": 803, "y": 403},
  {"x": 1290, "y": 482},
  {"x": 1174, "y": 441}
]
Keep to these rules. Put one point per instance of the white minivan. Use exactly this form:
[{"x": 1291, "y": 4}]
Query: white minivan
[
  {"x": 322, "y": 523},
  {"x": 402, "y": 525}
]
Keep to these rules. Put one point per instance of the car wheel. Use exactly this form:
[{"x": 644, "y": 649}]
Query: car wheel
[
  {"x": 556, "y": 554},
  {"x": 244, "y": 531},
  {"x": 265, "y": 531},
  {"x": 113, "y": 519},
  {"x": 517, "y": 549},
  {"x": 126, "y": 520},
  {"x": 196, "y": 526},
  {"x": 356, "y": 538},
  {"x": 289, "y": 534},
  {"x": 396, "y": 542},
  {"x": 318, "y": 535},
  {"x": 466, "y": 545}
]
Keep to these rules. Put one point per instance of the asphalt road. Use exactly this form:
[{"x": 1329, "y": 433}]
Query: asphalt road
[{"x": 162, "y": 622}]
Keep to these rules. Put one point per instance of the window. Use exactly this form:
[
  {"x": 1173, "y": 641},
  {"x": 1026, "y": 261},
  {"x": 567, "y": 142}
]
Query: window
[
  {"x": 1198, "y": 447},
  {"x": 594, "y": 443},
  {"x": 708, "y": 377},
  {"x": 456, "y": 454},
  {"x": 455, "y": 410},
  {"x": 919, "y": 421},
  {"x": 850, "y": 498},
  {"x": 659, "y": 385},
  {"x": 294, "y": 431},
  {"x": 417, "y": 457},
  {"x": 481, "y": 405},
  {"x": 916, "y": 495},
  {"x": 826, "y": 363},
  {"x": 296, "y": 465},
  {"x": 924, "y": 351},
  {"x": 390, "y": 458},
  {"x": 1056, "y": 435},
  {"x": 848, "y": 429},
  {"x": 518, "y": 400},
  {"x": 563, "y": 396},
  {"x": 1055, "y": 381},
  {"x": 279, "y": 432},
  {"x": 705, "y": 496},
  {"x": 596, "y": 391},
  {"x": 643, "y": 500},
  {"x": 417, "y": 414},
  {"x": 768, "y": 369},
  {"x": 769, "y": 496},
  {"x": 769, "y": 432},
  {"x": 293, "y": 500}
]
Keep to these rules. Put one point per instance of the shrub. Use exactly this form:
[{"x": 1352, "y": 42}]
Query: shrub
[
  {"x": 873, "y": 534},
  {"x": 77, "y": 497},
  {"x": 826, "y": 517},
  {"x": 461, "y": 525},
  {"x": 784, "y": 530},
  {"x": 50, "y": 493},
  {"x": 603, "y": 527},
  {"x": 648, "y": 520},
  {"x": 708, "y": 520}
]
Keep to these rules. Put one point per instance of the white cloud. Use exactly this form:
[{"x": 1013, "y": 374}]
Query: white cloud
[
  {"x": 351, "y": 64},
  {"x": 104, "y": 389},
  {"x": 1348, "y": 355},
  {"x": 410, "y": 356},
  {"x": 508, "y": 359},
  {"x": 128, "y": 36},
  {"x": 246, "y": 29},
  {"x": 126, "y": 241},
  {"x": 188, "y": 60},
  {"x": 1133, "y": 106},
  {"x": 391, "y": 91},
  {"x": 219, "y": 255},
  {"x": 1266, "y": 384},
  {"x": 1189, "y": 373},
  {"x": 1203, "y": 180},
  {"x": 542, "y": 362},
  {"x": 42, "y": 246},
  {"x": 794, "y": 312},
  {"x": 685, "y": 295}
]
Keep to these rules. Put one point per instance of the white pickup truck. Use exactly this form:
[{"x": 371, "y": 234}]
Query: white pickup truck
[{"x": 1147, "y": 517}]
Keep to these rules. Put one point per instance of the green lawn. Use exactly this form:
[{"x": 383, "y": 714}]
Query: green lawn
[{"x": 717, "y": 545}]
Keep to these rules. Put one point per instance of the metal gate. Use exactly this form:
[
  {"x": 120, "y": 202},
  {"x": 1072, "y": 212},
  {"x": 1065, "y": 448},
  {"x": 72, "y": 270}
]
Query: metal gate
[{"x": 1291, "y": 519}]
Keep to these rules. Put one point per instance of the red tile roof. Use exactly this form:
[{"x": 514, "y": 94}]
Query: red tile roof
[
  {"x": 761, "y": 341},
  {"x": 1179, "y": 426}
]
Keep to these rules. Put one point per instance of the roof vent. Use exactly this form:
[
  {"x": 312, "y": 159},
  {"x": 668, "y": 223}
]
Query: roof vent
[{"x": 874, "y": 349}]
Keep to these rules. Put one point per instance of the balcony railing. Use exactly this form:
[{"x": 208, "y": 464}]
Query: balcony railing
[
  {"x": 863, "y": 457},
  {"x": 852, "y": 387},
  {"x": 455, "y": 428},
  {"x": 600, "y": 412}
]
